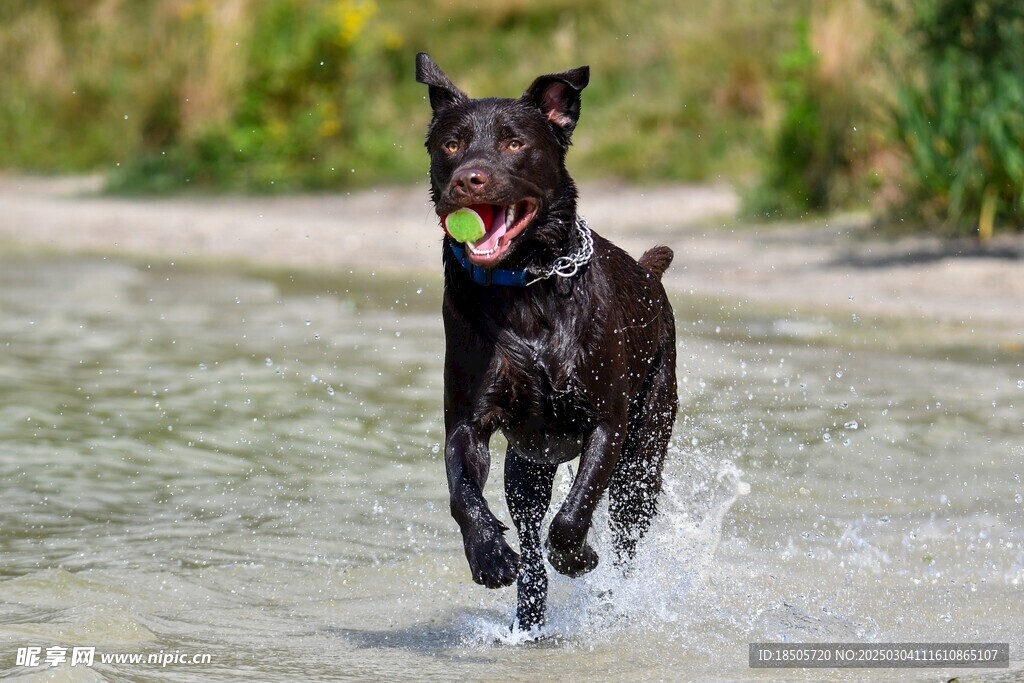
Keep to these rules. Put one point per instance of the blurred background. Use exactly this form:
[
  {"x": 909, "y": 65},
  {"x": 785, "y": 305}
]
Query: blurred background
[
  {"x": 220, "y": 406},
  {"x": 913, "y": 110}
]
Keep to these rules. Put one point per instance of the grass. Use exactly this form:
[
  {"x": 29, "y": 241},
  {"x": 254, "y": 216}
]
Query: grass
[
  {"x": 279, "y": 95},
  {"x": 808, "y": 106}
]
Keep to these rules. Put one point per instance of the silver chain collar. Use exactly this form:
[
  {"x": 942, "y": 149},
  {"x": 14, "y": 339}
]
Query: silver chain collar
[{"x": 567, "y": 266}]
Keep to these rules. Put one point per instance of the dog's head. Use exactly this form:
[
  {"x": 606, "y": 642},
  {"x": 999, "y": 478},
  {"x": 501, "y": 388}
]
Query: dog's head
[{"x": 505, "y": 153}]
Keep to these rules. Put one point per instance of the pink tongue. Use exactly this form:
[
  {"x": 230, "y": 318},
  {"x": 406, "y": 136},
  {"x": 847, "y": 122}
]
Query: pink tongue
[{"x": 498, "y": 228}]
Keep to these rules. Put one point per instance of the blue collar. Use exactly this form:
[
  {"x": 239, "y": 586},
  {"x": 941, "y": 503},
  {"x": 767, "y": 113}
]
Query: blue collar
[
  {"x": 489, "y": 276},
  {"x": 563, "y": 266}
]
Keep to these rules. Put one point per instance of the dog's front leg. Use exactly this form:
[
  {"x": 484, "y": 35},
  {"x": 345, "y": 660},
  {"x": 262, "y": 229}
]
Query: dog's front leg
[
  {"x": 492, "y": 562},
  {"x": 568, "y": 550},
  {"x": 528, "y": 493}
]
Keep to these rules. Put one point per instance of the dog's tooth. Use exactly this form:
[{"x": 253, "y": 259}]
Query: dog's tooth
[{"x": 510, "y": 214}]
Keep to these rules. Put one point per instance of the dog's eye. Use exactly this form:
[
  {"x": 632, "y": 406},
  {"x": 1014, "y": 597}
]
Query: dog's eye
[
  {"x": 452, "y": 146},
  {"x": 515, "y": 145}
]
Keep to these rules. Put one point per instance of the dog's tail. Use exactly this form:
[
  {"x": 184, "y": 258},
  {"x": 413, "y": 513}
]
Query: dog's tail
[{"x": 657, "y": 260}]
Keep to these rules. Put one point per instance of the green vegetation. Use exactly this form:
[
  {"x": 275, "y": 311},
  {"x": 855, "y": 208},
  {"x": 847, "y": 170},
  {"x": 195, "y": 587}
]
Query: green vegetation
[
  {"x": 915, "y": 107},
  {"x": 960, "y": 120},
  {"x": 274, "y": 95},
  {"x": 821, "y": 151}
]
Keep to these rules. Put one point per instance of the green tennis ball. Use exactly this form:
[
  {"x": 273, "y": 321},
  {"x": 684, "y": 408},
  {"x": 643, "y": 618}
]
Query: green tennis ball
[{"x": 466, "y": 224}]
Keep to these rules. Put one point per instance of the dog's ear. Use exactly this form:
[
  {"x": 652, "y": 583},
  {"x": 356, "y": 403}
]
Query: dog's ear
[
  {"x": 558, "y": 96},
  {"x": 443, "y": 92}
]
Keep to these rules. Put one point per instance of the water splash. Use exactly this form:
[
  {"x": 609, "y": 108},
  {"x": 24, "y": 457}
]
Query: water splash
[{"x": 672, "y": 563}]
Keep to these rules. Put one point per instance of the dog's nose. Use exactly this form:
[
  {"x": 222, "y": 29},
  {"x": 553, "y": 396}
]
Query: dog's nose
[{"x": 471, "y": 181}]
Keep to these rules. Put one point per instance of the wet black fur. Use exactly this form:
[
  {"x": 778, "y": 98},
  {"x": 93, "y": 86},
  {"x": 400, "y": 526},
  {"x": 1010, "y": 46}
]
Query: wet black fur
[{"x": 567, "y": 367}]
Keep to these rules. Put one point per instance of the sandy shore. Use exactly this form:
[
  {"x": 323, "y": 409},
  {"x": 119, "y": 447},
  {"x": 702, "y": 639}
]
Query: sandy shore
[{"x": 831, "y": 267}]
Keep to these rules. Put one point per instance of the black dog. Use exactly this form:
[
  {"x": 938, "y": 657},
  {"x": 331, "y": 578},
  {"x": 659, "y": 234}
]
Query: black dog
[{"x": 555, "y": 336}]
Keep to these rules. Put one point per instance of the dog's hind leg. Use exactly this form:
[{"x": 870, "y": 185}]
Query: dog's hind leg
[
  {"x": 636, "y": 482},
  {"x": 528, "y": 494}
]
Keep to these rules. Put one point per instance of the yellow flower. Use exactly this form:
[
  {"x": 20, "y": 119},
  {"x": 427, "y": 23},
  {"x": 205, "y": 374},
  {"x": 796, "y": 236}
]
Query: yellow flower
[
  {"x": 330, "y": 124},
  {"x": 352, "y": 16}
]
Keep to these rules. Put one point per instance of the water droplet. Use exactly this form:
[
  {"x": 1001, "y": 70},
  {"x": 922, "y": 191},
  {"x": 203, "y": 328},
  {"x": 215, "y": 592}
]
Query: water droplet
[
  {"x": 852, "y": 424},
  {"x": 1020, "y": 384},
  {"x": 269, "y": 363},
  {"x": 827, "y": 437},
  {"x": 330, "y": 390},
  {"x": 1018, "y": 499}
]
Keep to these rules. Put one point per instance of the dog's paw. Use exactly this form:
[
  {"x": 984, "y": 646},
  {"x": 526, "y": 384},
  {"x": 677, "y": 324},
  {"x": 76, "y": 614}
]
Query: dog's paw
[
  {"x": 492, "y": 562},
  {"x": 572, "y": 563}
]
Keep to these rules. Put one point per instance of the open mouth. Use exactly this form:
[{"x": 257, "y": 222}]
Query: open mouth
[{"x": 506, "y": 222}]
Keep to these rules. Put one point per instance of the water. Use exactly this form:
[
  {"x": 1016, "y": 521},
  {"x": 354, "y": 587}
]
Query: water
[{"x": 246, "y": 465}]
